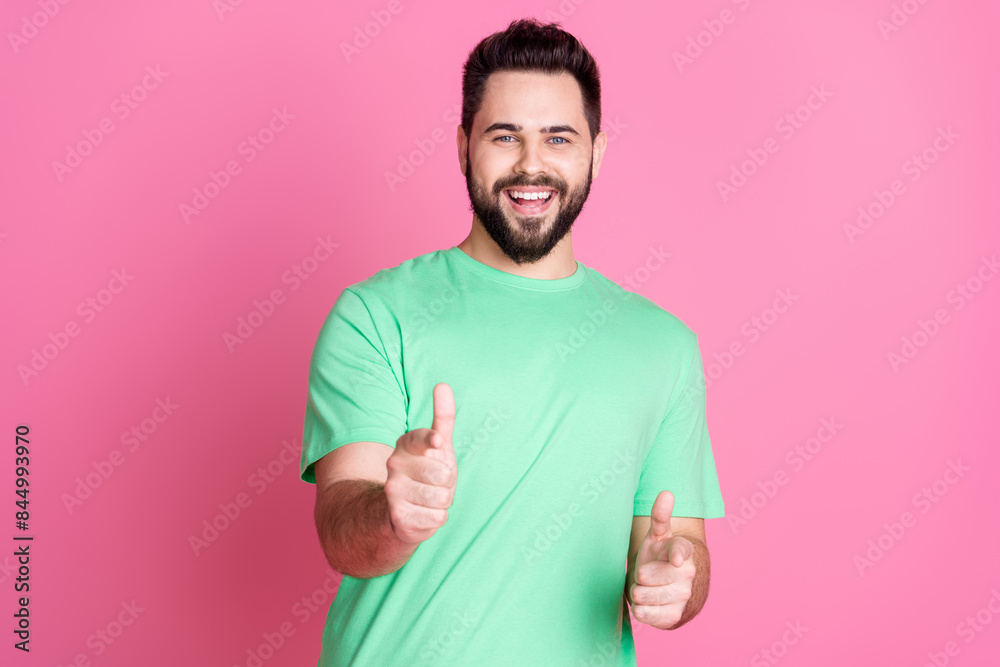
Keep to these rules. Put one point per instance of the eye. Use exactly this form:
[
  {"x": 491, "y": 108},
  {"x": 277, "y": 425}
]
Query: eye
[{"x": 562, "y": 140}]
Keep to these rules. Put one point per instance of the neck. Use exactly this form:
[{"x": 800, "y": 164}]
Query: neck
[{"x": 559, "y": 263}]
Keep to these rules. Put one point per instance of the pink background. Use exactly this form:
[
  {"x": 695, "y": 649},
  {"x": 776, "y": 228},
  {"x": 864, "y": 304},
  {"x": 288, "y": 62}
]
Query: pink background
[{"x": 675, "y": 133}]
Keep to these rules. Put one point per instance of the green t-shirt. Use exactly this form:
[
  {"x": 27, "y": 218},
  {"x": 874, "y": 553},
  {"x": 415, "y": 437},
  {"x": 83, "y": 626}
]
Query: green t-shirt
[{"x": 577, "y": 402}]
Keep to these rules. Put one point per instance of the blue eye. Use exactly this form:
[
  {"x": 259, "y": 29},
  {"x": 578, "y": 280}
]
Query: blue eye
[{"x": 562, "y": 140}]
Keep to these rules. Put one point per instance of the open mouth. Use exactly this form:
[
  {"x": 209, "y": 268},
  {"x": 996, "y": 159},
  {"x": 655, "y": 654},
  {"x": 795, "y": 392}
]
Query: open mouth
[{"x": 531, "y": 204}]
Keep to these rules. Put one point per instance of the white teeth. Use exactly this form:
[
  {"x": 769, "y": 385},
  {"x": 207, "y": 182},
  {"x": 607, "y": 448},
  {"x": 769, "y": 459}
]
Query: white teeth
[{"x": 530, "y": 195}]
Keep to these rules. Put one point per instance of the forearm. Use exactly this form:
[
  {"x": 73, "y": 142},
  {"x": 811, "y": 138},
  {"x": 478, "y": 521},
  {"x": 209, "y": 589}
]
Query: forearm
[
  {"x": 699, "y": 586},
  {"x": 352, "y": 520}
]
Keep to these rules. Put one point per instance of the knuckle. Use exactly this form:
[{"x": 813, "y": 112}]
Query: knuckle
[
  {"x": 641, "y": 613},
  {"x": 428, "y": 495},
  {"x": 397, "y": 517}
]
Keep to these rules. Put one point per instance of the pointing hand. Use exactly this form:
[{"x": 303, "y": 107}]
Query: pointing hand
[
  {"x": 664, "y": 570},
  {"x": 422, "y": 473}
]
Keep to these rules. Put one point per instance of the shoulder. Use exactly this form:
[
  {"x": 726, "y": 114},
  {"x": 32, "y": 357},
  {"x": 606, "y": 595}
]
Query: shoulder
[
  {"x": 399, "y": 283},
  {"x": 646, "y": 314}
]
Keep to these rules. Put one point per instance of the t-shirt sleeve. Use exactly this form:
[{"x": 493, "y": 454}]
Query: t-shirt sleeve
[
  {"x": 680, "y": 459},
  {"x": 354, "y": 393}
]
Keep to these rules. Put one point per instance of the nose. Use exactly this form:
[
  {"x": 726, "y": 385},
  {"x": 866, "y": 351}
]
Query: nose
[{"x": 531, "y": 161}]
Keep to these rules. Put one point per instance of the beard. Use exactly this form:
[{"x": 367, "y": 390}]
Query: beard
[{"x": 525, "y": 239}]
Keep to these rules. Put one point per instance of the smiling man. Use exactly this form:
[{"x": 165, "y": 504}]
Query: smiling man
[{"x": 510, "y": 450}]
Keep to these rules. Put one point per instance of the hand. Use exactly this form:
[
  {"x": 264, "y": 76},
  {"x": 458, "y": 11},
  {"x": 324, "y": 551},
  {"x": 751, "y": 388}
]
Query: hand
[
  {"x": 422, "y": 474},
  {"x": 663, "y": 571}
]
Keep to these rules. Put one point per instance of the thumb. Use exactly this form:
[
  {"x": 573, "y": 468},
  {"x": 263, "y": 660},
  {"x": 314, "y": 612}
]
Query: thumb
[
  {"x": 444, "y": 412},
  {"x": 654, "y": 544}
]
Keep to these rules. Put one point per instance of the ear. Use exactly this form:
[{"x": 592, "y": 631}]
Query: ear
[
  {"x": 463, "y": 147},
  {"x": 600, "y": 143}
]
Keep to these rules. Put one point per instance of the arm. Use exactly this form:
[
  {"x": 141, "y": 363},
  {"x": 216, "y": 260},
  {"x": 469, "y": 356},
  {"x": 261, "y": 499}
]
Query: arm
[
  {"x": 352, "y": 512},
  {"x": 376, "y": 503},
  {"x": 693, "y": 529}
]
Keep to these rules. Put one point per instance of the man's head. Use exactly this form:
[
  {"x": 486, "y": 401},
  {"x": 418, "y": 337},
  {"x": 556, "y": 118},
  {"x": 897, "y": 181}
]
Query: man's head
[{"x": 531, "y": 116}]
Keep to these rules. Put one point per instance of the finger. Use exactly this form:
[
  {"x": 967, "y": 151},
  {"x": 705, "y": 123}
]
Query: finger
[
  {"x": 444, "y": 415},
  {"x": 428, "y": 495},
  {"x": 415, "y": 522},
  {"x": 659, "y": 595},
  {"x": 678, "y": 550},
  {"x": 417, "y": 442},
  {"x": 430, "y": 471},
  {"x": 662, "y": 573},
  {"x": 659, "y": 516}
]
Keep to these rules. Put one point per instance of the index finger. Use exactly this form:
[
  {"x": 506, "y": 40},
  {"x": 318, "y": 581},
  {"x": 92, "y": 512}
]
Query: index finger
[
  {"x": 659, "y": 516},
  {"x": 444, "y": 411}
]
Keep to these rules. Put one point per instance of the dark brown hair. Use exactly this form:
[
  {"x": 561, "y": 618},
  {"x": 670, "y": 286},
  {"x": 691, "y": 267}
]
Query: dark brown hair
[{"x": 529, "y": 46}]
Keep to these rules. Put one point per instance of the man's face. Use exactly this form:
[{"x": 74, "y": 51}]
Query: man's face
[{"x": 529, "y": 133}]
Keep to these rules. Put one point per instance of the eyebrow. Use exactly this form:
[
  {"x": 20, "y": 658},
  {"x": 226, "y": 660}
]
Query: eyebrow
[{"x": 514, "y": 127}]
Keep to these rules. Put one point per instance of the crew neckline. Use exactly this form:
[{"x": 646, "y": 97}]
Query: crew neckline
[{"x": 542, "y": 284}]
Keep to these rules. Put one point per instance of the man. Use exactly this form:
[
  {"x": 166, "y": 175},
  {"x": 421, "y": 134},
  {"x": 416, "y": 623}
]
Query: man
[{"x": 567, "y": 468}]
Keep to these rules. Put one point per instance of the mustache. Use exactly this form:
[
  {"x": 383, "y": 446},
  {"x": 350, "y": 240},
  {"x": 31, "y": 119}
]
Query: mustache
[{"x": 500, "y": 187}]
